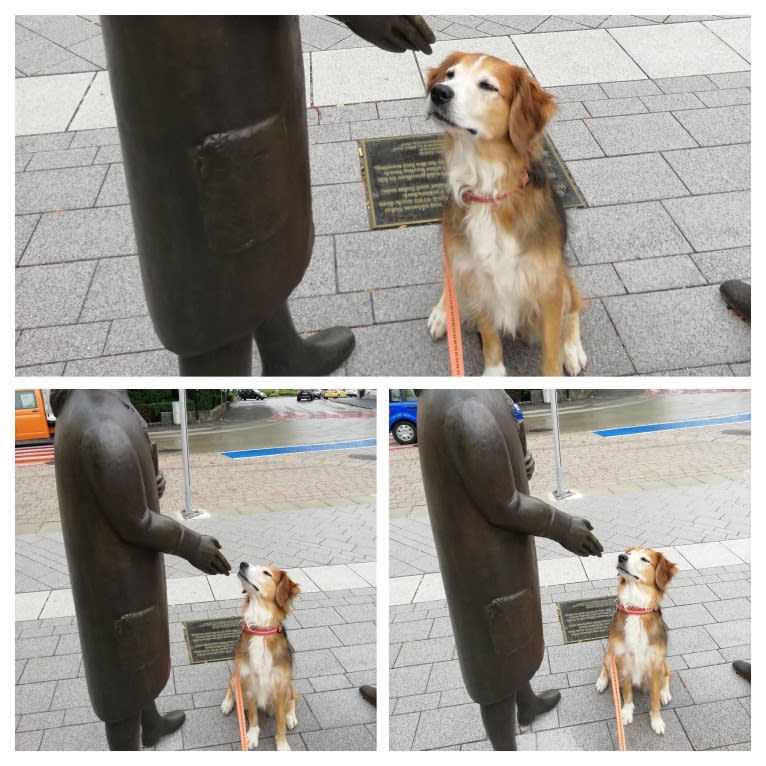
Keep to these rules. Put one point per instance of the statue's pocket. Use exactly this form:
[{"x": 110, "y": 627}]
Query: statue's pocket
[
  {"x": 242, "y": 184},
  {"x": 511, "y": 622},
  {"x": 139, "y": 639}
]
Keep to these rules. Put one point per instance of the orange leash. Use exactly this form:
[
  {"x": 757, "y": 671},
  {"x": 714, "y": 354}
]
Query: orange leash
[
  {"x": 454, "y": 336},
  {"x": 240, "y": 712},
  {"x": 616, "y": 698}
]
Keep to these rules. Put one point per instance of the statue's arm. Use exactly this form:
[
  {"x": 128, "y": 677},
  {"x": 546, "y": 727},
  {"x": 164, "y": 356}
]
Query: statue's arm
[
  {"x": 115, "y": 475},
  {"x": 482, "y": 460}
]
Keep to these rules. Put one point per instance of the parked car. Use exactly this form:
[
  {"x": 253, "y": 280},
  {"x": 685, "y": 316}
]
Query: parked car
[
  {"x": 353, "y": 392},
  {"x": 250, "y": 393},
  {"x": 403, "y": 415},
  {"x": 34, "y": 419},
  {"x": 306, "y": 395},
  {"x": 335, "y": 393}
]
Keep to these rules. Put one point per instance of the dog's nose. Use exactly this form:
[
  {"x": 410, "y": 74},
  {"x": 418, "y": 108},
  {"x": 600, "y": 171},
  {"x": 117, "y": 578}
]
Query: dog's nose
[
  {"x": 244, "y": 565},
  {"x": 622, "y": 558},
  {"x": 441, "y": 94}
]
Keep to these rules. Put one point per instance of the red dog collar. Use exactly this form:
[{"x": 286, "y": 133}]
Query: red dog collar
[
  {"x": 634, "y": 610},
  {"x": 469, "y": 196},
  {"x": 261, "y": 631}
]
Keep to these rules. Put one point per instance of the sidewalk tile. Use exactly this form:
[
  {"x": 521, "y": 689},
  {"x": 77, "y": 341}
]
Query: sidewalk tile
[
  {"x": 41, "y": 669},
  {"x": 115, "y": 292},
  {"x": 96, "y": 110},
  {"x": 582, "y": 704},
  {"x": 444, "y": 676},
  {"x": 691, "y": 594},
  {"x": 597, "y": 280},
  {"x": 59, "y": 189},
  {"x": 715, "y": 221},
  {"x": 316, "y": 662},
  {"x": 401, "y": 731},
  {"x": 396, "y": 304},
  {"x": 687, "y": 616},
  {"x": 715, "y": 724},
  {"x": 703, "y": 555},
  {"x": 731, "y": 97},
  {"x": 575, "y": 657},
  {"x": 63, "y": 158},
  {"x": 430, "y": 589},
  {"x": 342, "y": 707},
  {"x": 731, "y": 633},
  {"x": 365, "y": 570},
  {"x": 339, "y": 208},
  {"x": 714, "y": 683},
  {"x": 730, "y": 609},
  {"x": 615, "y": 106},
  {"x": 97, "y": 137},
  {"x": 717, "y": 125},
  {"x": 114, "y": 190},
  {"x": 673, "y": 101},
  {"x": 334, "y": 163},
  {"x": 47, "y": 104},
  {"x": 499, "y": 46},
  {"x": 734, "y": 32},
  {"x": 630, "y": 89},
  {"x": 151, "y": 363},
  {"x": 640, "y": 735},
  {"x": 357, "y": 657},
  {"x": 45, "y": 142},
  {"x": 188, "y": 590},
  {"x": 378, "y": 76},
  {"x": 576, "y": 58},
  {"x": 587, "y": 736},
  {"x": 344, "y": 738},
  {"x": 561, "y": 571},
  {"x": 677, "y": 50},
  {"x": 690, "y": 84},
  {"x": 34, "y": 697},
  {"x": 338, "y": 577},
  {"x": 189, "y": 679},
  {"x": 59, "y": 604},
  {"x": 87, "y": 736},
  {"x": 740, "y": 548},
  {"x": 606, "y": 354},
  {"x": 659, "y": 274},
  {"x": 448, "y": 726},
  {"x": 205, "y": 727},
  {"x": 639, "y": 133},
  {"x": 314, "y": 313},
  {"x": 573, "y": 140},
  {"x": 713, "y": 169},
  {"x": 425, "y": 652}
]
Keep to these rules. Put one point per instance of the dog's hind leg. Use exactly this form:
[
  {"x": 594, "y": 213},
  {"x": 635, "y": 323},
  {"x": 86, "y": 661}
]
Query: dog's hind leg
[
  {"x": 228, "y": 701},
  {"x": 281, "y": 722},
  {"x": 491, "y": 346},
  {"x": 572, "y": 351}
]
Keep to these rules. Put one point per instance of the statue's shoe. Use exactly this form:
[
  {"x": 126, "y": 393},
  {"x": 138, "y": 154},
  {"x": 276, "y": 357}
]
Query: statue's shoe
[
  {"x": 151, "y": 735},
  {"x": 544, "y": 702}
]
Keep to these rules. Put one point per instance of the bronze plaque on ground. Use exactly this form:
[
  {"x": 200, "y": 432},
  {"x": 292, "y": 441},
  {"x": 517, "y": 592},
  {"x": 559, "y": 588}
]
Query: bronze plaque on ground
[
  {"x": 586, "y": 619},
  {"x": 405, "y": 183},
  {"x": 212, "y": 640}
]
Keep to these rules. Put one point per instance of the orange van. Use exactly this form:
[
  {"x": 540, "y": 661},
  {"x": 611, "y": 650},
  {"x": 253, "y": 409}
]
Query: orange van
[{"x": 34, "y": 420}]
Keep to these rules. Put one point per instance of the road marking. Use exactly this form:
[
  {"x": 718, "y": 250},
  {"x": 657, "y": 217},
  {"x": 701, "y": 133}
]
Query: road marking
[
  {"x": 326, "y": 447},
  {"x": 607, "y": 433},
  {"x": 34, "y": 455}
]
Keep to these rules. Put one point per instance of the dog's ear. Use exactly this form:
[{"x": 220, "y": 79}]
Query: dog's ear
[
  {"x": 663, "y": 573},
  {"x": 531, "y": 110},
  {"x": 438, "y": 73},
  {"x": 287, "y": 590}
]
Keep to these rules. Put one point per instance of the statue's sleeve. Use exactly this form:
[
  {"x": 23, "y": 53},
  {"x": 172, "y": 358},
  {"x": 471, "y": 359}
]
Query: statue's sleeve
[
  {"x": 114, "y": 472},
  {"x": 482, "y": 461}
]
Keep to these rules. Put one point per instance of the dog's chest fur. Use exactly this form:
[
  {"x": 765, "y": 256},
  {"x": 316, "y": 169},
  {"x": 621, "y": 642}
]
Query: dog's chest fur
[
  {"x": 634, "y": 648},
  {"x": 260, "y": 666}
]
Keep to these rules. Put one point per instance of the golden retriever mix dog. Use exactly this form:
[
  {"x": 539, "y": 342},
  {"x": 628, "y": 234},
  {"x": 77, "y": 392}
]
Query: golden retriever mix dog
[
  {"x": 263, "y": 657},
  {"x": 637, "y": 635},
  {"x": 504, "y": 225}
]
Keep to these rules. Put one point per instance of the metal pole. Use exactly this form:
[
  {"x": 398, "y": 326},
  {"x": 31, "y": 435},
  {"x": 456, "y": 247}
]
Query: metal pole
[
  {"x": 188, "y": 512},
  {"x": 561, "y": 491}
]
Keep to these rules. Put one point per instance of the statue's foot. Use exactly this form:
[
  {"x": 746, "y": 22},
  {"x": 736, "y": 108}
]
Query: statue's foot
[
  {"x": 318, "y": 354},
  {"x": 165, "y": 724},
  {"x": 537, "y": 705}
]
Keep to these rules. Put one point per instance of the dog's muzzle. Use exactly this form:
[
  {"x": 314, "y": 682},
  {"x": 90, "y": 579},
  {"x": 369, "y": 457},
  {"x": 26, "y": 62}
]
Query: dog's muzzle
[{"x": 441, "y": 94}]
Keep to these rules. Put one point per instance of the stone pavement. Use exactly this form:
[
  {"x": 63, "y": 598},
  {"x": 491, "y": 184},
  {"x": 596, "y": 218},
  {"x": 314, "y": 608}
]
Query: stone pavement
[
  {"x": 702, "y": 523},
  {"x": 653, "y": 122},
  {"x": 329, "y": 549}
]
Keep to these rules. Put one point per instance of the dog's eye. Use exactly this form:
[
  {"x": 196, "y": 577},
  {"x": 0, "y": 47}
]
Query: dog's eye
[
  {"x": 485, "y": 85},
  {"x": 643, "y": 558},
  {"x": 268, "y": 574},
  {"x": 450, "y": 74}
]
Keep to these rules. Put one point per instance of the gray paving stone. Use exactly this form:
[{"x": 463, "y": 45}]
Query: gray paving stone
[
  {"x": 575, "y": 656},
  {"x": 714, "y": 683},
  {"x": 408, "y": 107},
  {"x": 597, "y": 280},
  {"x": 445, "y": 675},
  {"x": 714, "y": 221},
  {"x": 717, "y": 125},
  {"x": 735, "y": 589},
  {"x": 340, "y": 208},
  {"x": 355, "y": 633},
  {"x": 448, "y": 726},
  {"x": 35, "y": 55},
  {"x": 42, "y": 646},
  {"x": 25, "y": 226},
  {"x": 713, "y": 169},
  {"x": 383, "y": 128},
  {"x": 207, "y": 726},
  {"x": 115, "y": 292},
  {"x": 401, "y": 731},
  {"x": 311, "y": 314},
  {"x": 81, "y": 234},
  {"x": 63, "y": 158},
  {"x": 728, "y": 97},
  {"x": 570, "y": 110},
  {"x": 630, "y": 89},
  {"x": 319, "y": 278},
  {"x": 39, "y": 669},
  {"x": 62, "y": 30},
  {"x": 341, "y": 707},
  {"x": 636, "y": 134},
  {"x": 659, "y": 274},
  {"x": 672, "y": 101},
  {"x": 577, "y": 92},
  {"x": 401, "y": 303},
  {"x": 130, "y": 335},
  {"x": 684, "y": 641},
  {"x": 108, "y": 154},
  {"x": 731, "y": 79},
  {"x": 415, "y": 630},
  {"x": 357, "y": 657},
  {"x": 69, "y": 693},
  {"x": 334, "y": 163},
  {"x": 321, "y": 134},
  {"x": 729, "y": 609},
  {"x": 573, "y": 140},
  {"x": 633, "y": 178},
  {"x": 29, "y": 740},
  {"x": 345, "y": 738},
  {"x": 426, "y": 651},
  {"x": 741, "y": 370},
  {"x": 94, "y": 137},
  {"x": 34, "y": 697},
  {"x": 639, "y": 735},
  {"x": 689, "y": 84},
  {"x": 22, "y": 160},
  {"x": 686, "y": 616},
  {"x": 678, "y": 330},
  {"x": 691, "y": 594},
  {"x": 35, "y": 721},
  {"x": 313, "y": 638},
  {"x": 615, "y": 106},
  {"x": 730, "y": 633},
  {"x": 44, "y": 142},
  {"x": 62, "y": 189},
  {"x": 715, "y": 724},
  {"x": 347, "y": 113},
  {"x": 114, "y": 191},
  {"x": 151, "y": 363},
  {"x": 196, "y": 678},
  {"x": 415, "y": 703},
  {"x": 310, "y": 618},
  {"x": 88, "y": 736},
  {"x": 318, "y": 662},
  {"x": 587, "y": 736}
]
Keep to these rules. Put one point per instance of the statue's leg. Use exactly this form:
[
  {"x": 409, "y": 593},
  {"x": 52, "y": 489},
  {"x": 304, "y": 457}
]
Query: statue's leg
[
  {"x": 500, "y": 723},
  {"x": 154, "y": 726},
  {"x": 234, "y": 359},
  {"x": 124, "y": 735},
  {"x": 531, "y": 705},
  {"x": 284, "y": 352}
]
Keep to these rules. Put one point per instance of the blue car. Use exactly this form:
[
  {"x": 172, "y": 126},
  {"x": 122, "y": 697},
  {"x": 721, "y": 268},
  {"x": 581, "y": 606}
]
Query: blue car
[{"x": 403, "y": 415}]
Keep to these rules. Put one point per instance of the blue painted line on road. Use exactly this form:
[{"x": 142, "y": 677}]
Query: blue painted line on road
[
  {"x": 608, "y": 433},
  {"x": 247, "y": 453}
]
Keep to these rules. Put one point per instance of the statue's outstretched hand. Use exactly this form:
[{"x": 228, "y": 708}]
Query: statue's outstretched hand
[
  {"x": 580, "y": 539},
  {"x": 208, "y": 557},
  {"x": 392, "y": 33}
]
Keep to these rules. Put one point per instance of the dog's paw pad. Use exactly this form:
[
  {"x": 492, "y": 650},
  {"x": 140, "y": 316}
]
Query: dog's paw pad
[
  {"x": 437, "y": 322},
  {"x": 665, "y": 697},
  {"x": 658, "y": 725},
  {"x": 252, "y": 736},
  {"x": 494, "y": 371},
  {"x": 601, "y": 684},
  {"x": 627, "y": 714},
  {"x": 574, "y": 358},
  {"x": 282, "y": 745},
  {"x": 291, "y": 721},
  {"x": 227, "y": 705}
]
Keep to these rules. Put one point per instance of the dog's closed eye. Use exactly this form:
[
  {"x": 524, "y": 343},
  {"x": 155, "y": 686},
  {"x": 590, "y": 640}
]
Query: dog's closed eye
[{"x": 486, "y": 85}]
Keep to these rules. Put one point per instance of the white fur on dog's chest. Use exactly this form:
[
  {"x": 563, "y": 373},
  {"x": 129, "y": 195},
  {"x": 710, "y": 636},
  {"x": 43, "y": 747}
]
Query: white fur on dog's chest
[{"x": 262, "y": 667}]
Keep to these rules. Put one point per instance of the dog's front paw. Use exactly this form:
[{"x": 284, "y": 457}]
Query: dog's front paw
[
  {"x": 602, "y": 682},
  {"x": 665, "y": 696},
  {"x": 252, "y": 737},
  {"x": 437, "y": 322},
  {"x": 291, "y": 720},
  {"x": 283, "y": 745},
  {"x": 574, "y": 358},
  {"x": 227, "y": 705},
  {"x": 658, "y": 725},
  {"x": 494, "y": 371},
  {"x": 627, "y": 713}
]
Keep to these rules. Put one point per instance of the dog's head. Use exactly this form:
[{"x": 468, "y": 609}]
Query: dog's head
[
  {"x": 267, "y": 586},
  {"x": 487, "y": 98},
  {"x": 646, "y": 568}
]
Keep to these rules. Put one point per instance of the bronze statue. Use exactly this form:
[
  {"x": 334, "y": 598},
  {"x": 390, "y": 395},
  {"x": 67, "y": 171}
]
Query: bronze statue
[
  {"x": 109, "y": 490},
  {"x": 212, "y": 119},
  {"x": 484, "y": 522}
]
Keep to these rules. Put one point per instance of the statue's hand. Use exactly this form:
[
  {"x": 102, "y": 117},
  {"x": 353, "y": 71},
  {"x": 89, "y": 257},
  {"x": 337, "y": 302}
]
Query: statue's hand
[
  {"x": 392, "y": 33},
  {"x": 160, "y": 484},
  {"x": 529, "y": 465},
  {"x": 580, "y": 539},
  {"x": 208, "y": 557}
]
